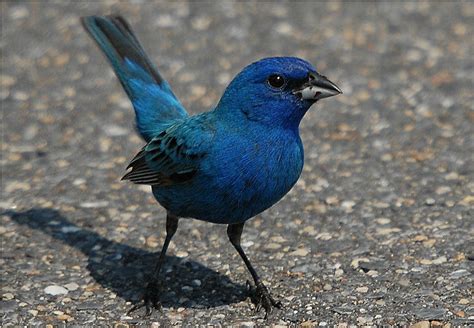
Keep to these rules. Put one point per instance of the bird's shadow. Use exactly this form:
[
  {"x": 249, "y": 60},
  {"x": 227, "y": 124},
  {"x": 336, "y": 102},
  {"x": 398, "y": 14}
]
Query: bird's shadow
[{"x": 123, "y": 269}]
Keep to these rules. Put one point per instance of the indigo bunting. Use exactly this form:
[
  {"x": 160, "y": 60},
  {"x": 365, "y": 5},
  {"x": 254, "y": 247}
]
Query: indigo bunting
[{"x": 223, "y": 166}]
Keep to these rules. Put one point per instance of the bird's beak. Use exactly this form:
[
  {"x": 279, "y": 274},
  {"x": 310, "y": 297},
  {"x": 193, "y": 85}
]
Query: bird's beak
[{"x": 317, "y": 87}]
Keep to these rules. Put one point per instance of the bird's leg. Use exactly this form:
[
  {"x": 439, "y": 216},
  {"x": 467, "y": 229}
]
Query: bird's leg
[
  {"x": 152, "y": 289},
  {"x": 259, "y": 294}
]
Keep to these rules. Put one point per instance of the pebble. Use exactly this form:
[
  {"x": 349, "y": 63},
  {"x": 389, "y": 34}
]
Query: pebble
[
  {"x": 443, "y": 190},
  {"x": 430, "y": 201},
  {"x": 72, "y": 286},
  {"x": 97, "y": 204},
  {"x": 421, "y": 324},
  {"x": 440, "y": 260},
  {"x": 300, "y": 252},
  {"x": 463, "y": 301},
  {"x": 8, "y": 296},
  {"x": 347, "y": 205},
  {"x": 459, "y": 273},
  {"x": 55, "y": 290},
  {"x": 34, "y": 313},
  {"x": 112, "y": 130},
  {"x": 196, "y": 282},
  {"x": 430, "y": 313},
  {"x": 187, "y": 289},
  {"x": 363, "y": 289},
  {"x": 383, "y": 220}
]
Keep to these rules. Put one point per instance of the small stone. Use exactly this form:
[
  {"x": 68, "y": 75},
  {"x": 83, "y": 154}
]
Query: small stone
[
  {"x": 34, "y": 313},
  {"x": 152, "y": 241},
  {"x": 381, "y": 205},
  {"x": 419, "y": 238},
  {"x": 404, "y": 282},
  {"x": 430, "y": 201},
  {"x": 115, "y": 130},
  {"x": 429, "y": 243},
  {"x": 383, "y": 221},
  {"x": 361, "y": 320},
  {"x": 440, "y": 260},
  {"x": 347, "y": 205},
  {"x": 332, "y": 200},
  {"x": 72, "y": 286},
  {"x": 443, "y": 190},
  {"x": 94, "y": 204},
  {"x": 421, "y": 324},
  {"x": 452, "y": 176},
  {"x": 70, "y": 229},
  {"x": 327, "y": 287},
  {"x": 387, "y": 231},
  {"x": 187, "y": 289},
  {"x": 196, "y": 282},
  {"x": 309, "y": 230},
  {"x": 343, "y": 310},
  {"x": 363, "y": 289},
  {"x": 459, "y": 273},
  {"x": 8, "y": 296},
  {"x": 463, "y": 301},
  {"x": 467, "y": 201},
  {"x": 7, "y": 80},
  {"x": 300, "y": 252},
  {"x": 182, "y": 254},
  {"x": 430, "y": 313},
  {"x": 272, "y": 246},
  {"x": 65, "y": 317},
  {"x": 55, "y": 290}
]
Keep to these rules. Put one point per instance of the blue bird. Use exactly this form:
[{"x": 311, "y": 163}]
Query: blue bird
[{"x": 223, "y": 166}]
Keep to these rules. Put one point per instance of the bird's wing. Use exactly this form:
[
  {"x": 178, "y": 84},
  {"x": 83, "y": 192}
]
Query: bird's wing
[
  {"x": 154, "y": 103},
  {"x": 173, "y": 156}
]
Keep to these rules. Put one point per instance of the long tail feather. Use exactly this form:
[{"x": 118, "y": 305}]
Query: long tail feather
[{"x": 154, "y": 102}]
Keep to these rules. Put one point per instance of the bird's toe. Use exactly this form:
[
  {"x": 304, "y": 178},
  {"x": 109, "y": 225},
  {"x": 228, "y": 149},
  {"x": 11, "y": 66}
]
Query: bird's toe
[{"x": 150, "y": 299}]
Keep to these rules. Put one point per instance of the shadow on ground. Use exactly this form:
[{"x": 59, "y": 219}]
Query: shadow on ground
[{"x": 122, "y": 268}]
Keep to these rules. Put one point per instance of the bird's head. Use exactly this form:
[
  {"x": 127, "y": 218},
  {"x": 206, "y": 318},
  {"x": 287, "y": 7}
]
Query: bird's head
[{"x": 276, "y": 91}]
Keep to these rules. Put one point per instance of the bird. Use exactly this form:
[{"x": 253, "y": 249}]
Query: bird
[{"x": 223, "y": 166}]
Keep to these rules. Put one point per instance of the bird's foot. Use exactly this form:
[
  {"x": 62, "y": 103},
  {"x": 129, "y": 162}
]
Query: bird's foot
[
  {"x": 261, "y": 297},
  {"x": 150, "y": 299}
]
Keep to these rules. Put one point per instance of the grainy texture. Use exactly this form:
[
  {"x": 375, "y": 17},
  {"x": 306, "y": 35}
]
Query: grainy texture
[{"x": 378, "y": 230}]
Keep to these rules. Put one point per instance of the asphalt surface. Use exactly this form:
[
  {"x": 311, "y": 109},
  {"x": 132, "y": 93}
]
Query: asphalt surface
[{"x": 378, "y": 230}]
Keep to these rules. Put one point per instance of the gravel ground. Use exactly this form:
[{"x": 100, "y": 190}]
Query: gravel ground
[{"x": 378, "y": 230}]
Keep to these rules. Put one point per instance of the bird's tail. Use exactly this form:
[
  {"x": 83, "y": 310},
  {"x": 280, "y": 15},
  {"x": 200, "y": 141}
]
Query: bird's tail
[{"x": 154, "y": 103}]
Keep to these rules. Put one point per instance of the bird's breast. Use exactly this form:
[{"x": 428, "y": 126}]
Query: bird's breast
[{"x": 252, "y": 174}]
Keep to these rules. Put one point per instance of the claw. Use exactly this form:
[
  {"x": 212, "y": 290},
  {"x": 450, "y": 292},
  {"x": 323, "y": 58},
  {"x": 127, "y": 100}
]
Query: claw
[
  {"x": 150, "y": 299},
  {"x": 261, "y": 297}
]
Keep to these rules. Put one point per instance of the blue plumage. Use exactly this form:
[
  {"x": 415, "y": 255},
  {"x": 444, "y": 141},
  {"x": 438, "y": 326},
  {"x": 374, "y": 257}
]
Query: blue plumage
[{"x": 222, "y": 166}]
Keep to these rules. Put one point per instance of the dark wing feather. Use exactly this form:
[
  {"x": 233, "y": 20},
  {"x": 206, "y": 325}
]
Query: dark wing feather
[{"x": 170, "y": 158}]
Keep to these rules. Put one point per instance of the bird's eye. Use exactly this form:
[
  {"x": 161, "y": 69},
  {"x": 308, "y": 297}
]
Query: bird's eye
[{"x": 276, "y": 81}]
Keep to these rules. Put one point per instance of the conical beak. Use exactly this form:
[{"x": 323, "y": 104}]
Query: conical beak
[{"x": 318, "y": 87}]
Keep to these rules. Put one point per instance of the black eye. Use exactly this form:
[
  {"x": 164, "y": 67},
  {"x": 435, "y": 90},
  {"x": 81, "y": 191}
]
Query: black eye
[{"x": 276, "y": 81}]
